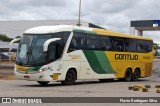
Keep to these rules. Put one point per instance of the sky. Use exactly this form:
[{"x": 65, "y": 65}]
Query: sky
[{"x": 111, "y": 14}]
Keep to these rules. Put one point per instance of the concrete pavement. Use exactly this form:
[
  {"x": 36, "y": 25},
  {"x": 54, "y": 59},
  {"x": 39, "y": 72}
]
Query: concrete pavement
[{"x": 94, "y": 88}]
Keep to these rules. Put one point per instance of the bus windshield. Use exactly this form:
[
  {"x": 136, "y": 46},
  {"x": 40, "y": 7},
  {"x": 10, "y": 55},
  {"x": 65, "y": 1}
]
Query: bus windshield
[{"x": 30, "y": 51}]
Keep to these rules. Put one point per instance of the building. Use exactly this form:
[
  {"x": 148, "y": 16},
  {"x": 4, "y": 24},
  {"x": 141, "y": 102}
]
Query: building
[
  {"x": 4, "y": 46},
  {"x": 16, "y": 28},
  {"x": 143, "y": 25},
  {"x": 4, "y": 50}
]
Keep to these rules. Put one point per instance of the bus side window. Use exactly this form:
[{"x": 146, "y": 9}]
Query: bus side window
[
  {"x": 144, "y": 46},
  {"x": 93, "y": 42},
  {"x": 77, "y": 42},
  {"x": 118, "y": 44},
  {"x": 126, "y": 45},
  {"x": 105, "y": 43},
  {"x": 131, "y": 45}
]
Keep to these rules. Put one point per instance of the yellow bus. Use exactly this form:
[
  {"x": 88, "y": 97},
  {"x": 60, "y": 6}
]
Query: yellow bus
[{"x": 66, "y": 53}]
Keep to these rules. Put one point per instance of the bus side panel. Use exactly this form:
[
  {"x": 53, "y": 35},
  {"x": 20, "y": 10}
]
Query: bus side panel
[
  {"x": 86, "y": 71},
  {"x": 145, "y": 64},
  {"x": 120, "y": 68},
  {"x": 120, "y": 61},
  {"x": 99, "y": 63},
  {"x": 148, "y": 69},
  {"x": 89, "y": 64},
  {"x": 77, "y": 60},
  {"x": 68, "y": 64}
]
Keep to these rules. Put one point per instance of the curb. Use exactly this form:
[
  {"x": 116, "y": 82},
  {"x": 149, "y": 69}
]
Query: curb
[
  {"x": 157, "y": 86},
  {"x": 145, "y": 90},
  {"x": 6, "y": 67}
]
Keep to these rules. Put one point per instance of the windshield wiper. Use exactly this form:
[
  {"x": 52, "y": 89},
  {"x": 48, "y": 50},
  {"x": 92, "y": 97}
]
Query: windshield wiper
[
  {"x": 25, "y": 56},
  {"x": 28, "y": 54}
]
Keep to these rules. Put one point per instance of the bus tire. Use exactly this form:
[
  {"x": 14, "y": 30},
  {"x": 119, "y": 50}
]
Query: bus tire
[
  {"x": 136, "y": 75},
  {"x": 70, "y": 78},
  {"x": 43, "y": 82},
  {"x": 128, "y": 75}
]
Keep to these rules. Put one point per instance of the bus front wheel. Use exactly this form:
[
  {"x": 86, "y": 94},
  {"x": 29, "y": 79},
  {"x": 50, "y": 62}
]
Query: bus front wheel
[
  {"x": 128, "y": 75},
  {"x": 43, "y": 82},
  {"x": 70, "y": 78}
]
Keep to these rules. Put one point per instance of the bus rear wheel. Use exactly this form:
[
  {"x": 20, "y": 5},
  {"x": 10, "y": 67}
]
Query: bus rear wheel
[
  {"x": 136, "y": 75},
  {"x": 70, "y": 78},
  {"x": 43, "y": 82},
  {"x": 128, "y": 75}
]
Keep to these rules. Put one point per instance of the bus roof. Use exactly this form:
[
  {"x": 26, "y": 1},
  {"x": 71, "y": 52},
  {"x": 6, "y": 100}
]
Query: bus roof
[
  {"x": 49, "y": 29},
  {"x": 59, "y": 28},
  {"x": 117, "y": 34}
]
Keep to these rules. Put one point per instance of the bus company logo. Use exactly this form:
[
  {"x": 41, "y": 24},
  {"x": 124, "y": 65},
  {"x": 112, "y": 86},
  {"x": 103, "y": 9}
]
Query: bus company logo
[
  {"x": 74, "y": 56},
  {"x": 126, "y": 57},
  {"x": 6, "y": 100}
]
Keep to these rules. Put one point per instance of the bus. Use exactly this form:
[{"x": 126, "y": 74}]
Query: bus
[{"x": 66, "y": 53}]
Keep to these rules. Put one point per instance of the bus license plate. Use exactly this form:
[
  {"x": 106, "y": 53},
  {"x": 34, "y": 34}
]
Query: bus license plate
[{"x": 27, "y": 77}]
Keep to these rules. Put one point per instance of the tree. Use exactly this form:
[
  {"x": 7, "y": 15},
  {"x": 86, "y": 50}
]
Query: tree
[
  {"x": 155, "y": 46},
  {"x": 4, "y": 38},
  {"x": 18, "y": 37}
]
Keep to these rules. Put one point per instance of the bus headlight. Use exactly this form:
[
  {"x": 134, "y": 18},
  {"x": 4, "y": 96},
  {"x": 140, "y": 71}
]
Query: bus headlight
[{"x": 44, "y": 69}]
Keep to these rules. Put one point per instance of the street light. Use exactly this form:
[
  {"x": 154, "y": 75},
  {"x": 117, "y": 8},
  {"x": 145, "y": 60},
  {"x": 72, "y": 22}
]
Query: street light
[{"x": 79, "y": 19}]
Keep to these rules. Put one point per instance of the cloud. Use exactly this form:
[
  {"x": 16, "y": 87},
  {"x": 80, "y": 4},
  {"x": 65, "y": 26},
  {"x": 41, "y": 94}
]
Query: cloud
[
  {"x": 111, "y": 14},
  {"x": 33, "y": 9}
]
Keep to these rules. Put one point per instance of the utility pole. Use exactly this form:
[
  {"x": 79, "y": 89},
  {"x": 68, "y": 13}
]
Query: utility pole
[{"x": 79, "y": 19}]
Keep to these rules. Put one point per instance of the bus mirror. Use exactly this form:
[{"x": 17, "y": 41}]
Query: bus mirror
[
  {"x": 46, "y": 44},
  {"x": 11, "y": 43}
]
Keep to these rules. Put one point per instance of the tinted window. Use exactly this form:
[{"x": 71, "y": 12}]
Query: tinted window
[
  {"x": 81, "y": 41},
  {"x": 93, "y": 42},
  {"x": 144, "y": 46},
  {"x": 59, "y": 44},
  {"x": 118, "y": 44},
  {"x": 63, "y": 35},
  {"x": 105, "y": 43},
  {"x": 78, "y": 42},
  {"x": 130, "y": 45}
]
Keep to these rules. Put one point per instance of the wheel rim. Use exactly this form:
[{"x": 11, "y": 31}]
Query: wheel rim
[
  {"x": 136, "y": 75},
  {"x": 128, "y": 75},
  {"x": 69, "y": 77}
]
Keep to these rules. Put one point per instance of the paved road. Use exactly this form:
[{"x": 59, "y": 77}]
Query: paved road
[
  {"x": 18, "y": 88},
  {"x": 81, "y": 89},
  {"x": 14, "y": 88}
]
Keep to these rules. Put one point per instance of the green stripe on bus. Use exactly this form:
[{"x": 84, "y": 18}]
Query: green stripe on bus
[
  {"x": 93, "y": 61},
  {"x": 98, "y": 62},
  {"x": 104, "y": 62},
  {"x": 83, "y": 31}
]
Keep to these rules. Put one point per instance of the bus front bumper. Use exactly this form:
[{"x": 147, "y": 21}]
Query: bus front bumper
[{"x": 42, "y": 76}]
